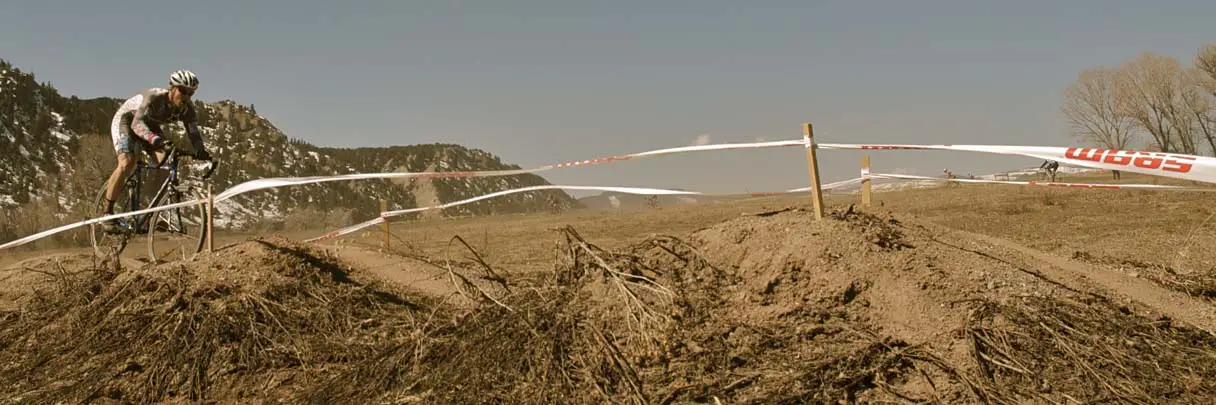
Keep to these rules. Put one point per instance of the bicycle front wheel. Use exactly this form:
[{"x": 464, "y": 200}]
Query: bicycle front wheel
[
  {"x": 178, "y": 233},
  {"x": 105, "y": 243}
]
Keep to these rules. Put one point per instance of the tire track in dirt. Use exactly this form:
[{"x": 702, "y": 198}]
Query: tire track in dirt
[
  {"x": 1098, "y": 280},
  {"x": 398, "y": 270}
]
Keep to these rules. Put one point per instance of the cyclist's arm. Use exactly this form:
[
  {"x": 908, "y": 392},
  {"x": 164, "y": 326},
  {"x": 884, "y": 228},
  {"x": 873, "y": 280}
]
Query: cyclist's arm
[
  {"x": 190, "y": 121},
  {"x": 138, "y": 123}
]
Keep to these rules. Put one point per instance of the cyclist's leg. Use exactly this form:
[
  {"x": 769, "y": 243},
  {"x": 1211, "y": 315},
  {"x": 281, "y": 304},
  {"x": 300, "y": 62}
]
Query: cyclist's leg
[
  {"x": 156, "y": 179},
  {"x": 159, "y": 175},
  {"x": 126, "y": 162},
  {"x": 126, "y": 151}
]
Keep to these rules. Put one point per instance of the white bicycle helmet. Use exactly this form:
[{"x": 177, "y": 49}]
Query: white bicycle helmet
[{"x": 184, "y": 78}]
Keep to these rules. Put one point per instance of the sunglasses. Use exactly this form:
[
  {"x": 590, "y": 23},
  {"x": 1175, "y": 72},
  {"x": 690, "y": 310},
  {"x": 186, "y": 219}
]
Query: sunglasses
[{"x": 185, "y": 90}]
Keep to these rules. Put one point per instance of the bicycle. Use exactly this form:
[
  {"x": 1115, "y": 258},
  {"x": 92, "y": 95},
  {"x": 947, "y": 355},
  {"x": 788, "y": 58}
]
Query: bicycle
[{"x": 180, "y": 229}]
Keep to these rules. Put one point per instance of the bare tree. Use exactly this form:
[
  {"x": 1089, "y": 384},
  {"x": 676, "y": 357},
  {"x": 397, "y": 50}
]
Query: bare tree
[
  {"x": 1205, "y": 63},
  {"x": 1092, "y": 110},
  {"x": 1200, "y": 107},
  {"x": 1201, "y": 93},
  {"x": 1091, "y": 107},
  {"x": 1149, "y": 89}
]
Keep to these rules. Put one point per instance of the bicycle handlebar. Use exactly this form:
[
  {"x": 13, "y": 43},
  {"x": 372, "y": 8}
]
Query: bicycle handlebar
[{"x": 174, "y": 152}]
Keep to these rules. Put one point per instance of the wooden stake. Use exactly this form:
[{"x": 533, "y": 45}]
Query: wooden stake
[
  {"x": 210, "y": 220},
  {"x": 384, "y": 225},
  {"x": 865, "y": 181},
  {"x": 808, "y": 135}
]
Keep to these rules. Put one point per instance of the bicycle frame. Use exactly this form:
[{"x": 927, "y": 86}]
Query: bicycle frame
[{"x": 141, "y": 220}]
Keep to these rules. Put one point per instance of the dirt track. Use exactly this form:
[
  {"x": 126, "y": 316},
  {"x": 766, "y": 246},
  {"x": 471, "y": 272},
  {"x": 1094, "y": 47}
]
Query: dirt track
[
  {"x": 1103, "y": 281},
  {"x": 977, "y": 286}
]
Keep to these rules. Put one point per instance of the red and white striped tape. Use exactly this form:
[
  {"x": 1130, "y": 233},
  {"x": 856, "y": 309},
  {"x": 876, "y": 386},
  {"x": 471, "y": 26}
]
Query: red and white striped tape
[
  {"x": 1105, "y": 186},
  {"x": 260, "y": 184},
  {"x": 1180, "y": 166}
]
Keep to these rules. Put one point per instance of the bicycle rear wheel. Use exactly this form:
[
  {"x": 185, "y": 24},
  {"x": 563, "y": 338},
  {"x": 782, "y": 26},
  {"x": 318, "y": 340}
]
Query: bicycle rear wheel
[
  {"x": 104, "y": 243},
  {"x": 178, "y": 233}
]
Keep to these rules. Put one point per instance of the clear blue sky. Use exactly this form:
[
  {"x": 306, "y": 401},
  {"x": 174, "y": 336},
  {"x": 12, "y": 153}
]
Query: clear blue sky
[{"x": 539, "y": 82}]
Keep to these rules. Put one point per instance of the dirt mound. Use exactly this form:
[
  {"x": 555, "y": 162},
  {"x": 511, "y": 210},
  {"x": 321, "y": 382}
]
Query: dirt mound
[
  {"x": 784, "y": 309},
  {"x": 21, "y": 279},
  {"x": 772, "y": 308},
  {"x": 911, "y": 314},
  {"x": 258, "y": 319}
]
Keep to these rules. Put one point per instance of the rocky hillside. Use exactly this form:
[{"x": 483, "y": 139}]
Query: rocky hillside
[
  {"x": 448, "y": 157},
  {"x": 56, "y": 154}
]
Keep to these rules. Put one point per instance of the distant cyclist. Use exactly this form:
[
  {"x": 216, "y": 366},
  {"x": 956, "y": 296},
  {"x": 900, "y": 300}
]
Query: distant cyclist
[
  {"x": 1050, "y": 166},
  {"x": 136, "y": 127}
]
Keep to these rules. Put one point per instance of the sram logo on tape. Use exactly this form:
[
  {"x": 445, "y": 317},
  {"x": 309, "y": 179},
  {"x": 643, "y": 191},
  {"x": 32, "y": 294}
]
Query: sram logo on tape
[
  {"x": 1146, "y": 160},
  {"x": 891, "y": 147}
]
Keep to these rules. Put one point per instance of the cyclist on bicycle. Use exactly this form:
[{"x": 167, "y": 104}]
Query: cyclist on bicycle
[{"x": 136, "y": 127}]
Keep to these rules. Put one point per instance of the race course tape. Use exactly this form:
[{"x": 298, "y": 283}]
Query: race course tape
[
  {"x": 628, "y": 190},
  {"x": 1186, "y": 167},
  {"x": 53, "y": 231},
  {"x": 261, "y": 184},
  {"x": 1105, "y": 186},
  {"x": 291, "y": 181}
]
